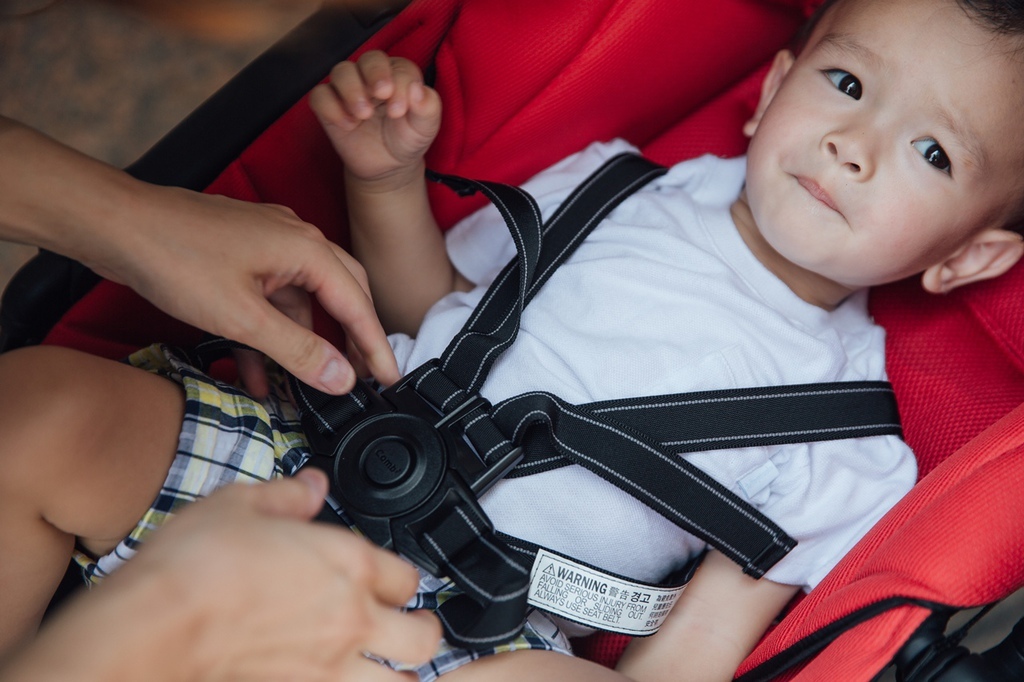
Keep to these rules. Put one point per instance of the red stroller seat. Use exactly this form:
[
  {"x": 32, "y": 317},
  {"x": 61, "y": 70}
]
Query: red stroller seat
[{"x": 679, "y": 79}]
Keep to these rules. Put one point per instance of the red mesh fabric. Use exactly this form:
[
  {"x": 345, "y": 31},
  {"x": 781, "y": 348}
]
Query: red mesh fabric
[
  {"x": 679, "y": 79},
  {"x": 955, "y": 539},
  {"x": 954, "y": 360}
]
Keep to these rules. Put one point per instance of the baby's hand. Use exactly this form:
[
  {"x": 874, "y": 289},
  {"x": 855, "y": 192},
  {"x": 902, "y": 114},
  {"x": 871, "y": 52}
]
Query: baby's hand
[{"x": 378, "y": 113}]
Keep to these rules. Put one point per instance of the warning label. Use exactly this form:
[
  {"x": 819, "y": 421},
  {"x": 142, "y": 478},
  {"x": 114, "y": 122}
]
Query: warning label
[{"x": 588, "y": 596}]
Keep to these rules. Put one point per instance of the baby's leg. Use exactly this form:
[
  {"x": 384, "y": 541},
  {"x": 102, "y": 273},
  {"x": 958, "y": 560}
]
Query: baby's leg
[
  {"x": 533, "y": 665},
  {"x": 85, "y": 445}
]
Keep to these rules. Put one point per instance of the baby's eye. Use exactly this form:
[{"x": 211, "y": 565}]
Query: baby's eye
[
  {"x": 933, "y": 154},
  {"x": 845, "y": 81}
]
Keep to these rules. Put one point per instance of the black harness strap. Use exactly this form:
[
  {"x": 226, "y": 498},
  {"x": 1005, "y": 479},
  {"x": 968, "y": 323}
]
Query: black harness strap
[
  {"x": 749, "y": 417},
  {"x": 631, "y": 443},
  {"x": 494, "y": 324}
]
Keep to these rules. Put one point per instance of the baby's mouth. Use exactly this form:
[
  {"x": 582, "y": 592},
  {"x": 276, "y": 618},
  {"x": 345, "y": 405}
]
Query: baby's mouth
[{"x": 818, "y": 192}]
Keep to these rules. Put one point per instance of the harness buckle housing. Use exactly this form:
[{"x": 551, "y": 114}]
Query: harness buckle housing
[{"x": 403, "y": 465}]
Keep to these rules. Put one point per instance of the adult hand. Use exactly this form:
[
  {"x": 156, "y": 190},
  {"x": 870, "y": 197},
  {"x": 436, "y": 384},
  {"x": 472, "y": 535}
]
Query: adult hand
[
  {"x": 242, "y": 271},
  {"x": 239, "y": 586},
  {"x": 233, "y": 268}
]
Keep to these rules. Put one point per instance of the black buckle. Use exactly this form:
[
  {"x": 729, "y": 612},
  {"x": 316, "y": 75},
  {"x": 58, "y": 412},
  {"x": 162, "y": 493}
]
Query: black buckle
[{"x": 403, "y": 465}]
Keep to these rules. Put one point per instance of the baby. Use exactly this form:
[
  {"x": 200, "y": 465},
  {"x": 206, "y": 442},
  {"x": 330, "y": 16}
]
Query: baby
[{"x": 870, "y": 161}]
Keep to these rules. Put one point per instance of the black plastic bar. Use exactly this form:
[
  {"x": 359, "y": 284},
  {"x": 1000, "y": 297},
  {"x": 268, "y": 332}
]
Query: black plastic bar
[{"x": 199, "y": 148}]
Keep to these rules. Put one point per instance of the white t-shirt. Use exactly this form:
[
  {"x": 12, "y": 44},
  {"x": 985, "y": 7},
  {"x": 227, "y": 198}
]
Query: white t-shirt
[{"x": 665, "y": 297}]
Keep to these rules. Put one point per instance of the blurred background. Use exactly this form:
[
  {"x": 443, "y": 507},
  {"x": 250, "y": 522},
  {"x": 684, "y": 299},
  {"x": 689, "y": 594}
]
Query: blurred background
[{"x": 110, "y": 77}]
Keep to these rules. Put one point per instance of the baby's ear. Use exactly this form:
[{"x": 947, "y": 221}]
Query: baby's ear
[
  {"x": 769, "y": 86},
  {"x": 990, "y": 254}
]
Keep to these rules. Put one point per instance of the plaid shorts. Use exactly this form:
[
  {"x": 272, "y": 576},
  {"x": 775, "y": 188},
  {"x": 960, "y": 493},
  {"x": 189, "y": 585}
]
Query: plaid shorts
[
  {"x": 229, "y": 437},
  {"x": 226, "y": 437}
]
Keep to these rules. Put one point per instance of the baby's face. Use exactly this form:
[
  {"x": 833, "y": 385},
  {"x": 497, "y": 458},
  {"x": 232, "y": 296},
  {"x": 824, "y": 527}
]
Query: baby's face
[{"x": 896, "y": 135}]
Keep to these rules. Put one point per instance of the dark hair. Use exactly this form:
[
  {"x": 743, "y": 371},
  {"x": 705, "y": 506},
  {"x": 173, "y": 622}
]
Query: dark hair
[
  {"x": 1005, "y": 17},
  {"x": 804, "y": 33},
  {"x": 1002, "y": 17}
]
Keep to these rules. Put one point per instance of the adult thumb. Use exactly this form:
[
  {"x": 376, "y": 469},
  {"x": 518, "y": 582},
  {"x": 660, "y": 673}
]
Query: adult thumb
[
  {"x": 300, "y": 351},
  {"x": 299, "y": 497}
]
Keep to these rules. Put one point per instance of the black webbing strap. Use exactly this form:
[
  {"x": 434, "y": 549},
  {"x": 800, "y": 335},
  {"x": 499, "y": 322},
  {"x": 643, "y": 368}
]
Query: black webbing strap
[
  {"x": 544, "y": 425},
  {"x": 494, "y": 324},
  {"x": 492, "y": 608},
  {"x": 748, "y": 417}
]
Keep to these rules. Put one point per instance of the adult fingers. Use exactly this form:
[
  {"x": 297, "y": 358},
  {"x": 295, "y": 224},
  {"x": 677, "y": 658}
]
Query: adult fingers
[
  {"x": 252, "y": 372},
  {"x": 355, "y": 358},
  {"x": 293, "y": 301},
  {"x": 364, "y": 331},
  {"x": 390, "y": 579},
  {"x": 300, "y": 351},
  {"x": 299, "y": 497},
  {"x": 354, "y": 267},
  {"x": 367, "y": 670},
  {"x": 410, "y": 637},
  {"x": 394, "y": 580}
]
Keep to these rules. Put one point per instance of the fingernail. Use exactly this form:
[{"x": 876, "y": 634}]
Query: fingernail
[
  {"x": 416, "y": 92},
  {"x": 336, "y": 377}
]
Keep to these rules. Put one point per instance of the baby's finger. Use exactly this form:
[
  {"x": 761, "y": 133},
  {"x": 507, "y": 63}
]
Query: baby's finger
[
  {"x": 354, "y": 97},
  {"x": 424, "y": 110},
  {"x": 405, "y": 75},
  {"x": 375, "y": 69},
  {"x": 325, "y": 103}
]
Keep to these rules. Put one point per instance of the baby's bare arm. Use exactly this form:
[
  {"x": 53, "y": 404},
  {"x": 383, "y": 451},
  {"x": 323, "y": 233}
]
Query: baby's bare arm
[
  {"x": 381, "y": 118},
  {"x": 720, "y": 617}
]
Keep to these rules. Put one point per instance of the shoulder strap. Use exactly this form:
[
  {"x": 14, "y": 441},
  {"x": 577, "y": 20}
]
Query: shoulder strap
[
  {"x": 748, "y": 417},
  {"x": 540, "y": 249}
]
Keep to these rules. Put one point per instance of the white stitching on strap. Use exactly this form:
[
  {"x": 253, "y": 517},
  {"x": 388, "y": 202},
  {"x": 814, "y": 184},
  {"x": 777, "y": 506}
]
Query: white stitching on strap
[
  {"x": 705, "y": 401},
  {"x": 465, "y": 579},
  {"x": 836, "y": 429}
]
